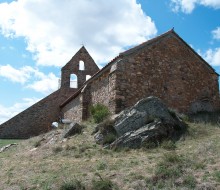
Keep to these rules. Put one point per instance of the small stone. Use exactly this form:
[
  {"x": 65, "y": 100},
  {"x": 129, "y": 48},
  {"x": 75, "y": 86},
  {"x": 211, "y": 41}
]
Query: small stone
[{"x": 72, "y": 129}]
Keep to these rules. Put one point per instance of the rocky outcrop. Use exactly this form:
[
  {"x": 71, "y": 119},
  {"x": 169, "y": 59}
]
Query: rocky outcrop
[
  {"x": 143, "y": 112},
  {"x": 148, "y": 122},
  {"x": 72, "y": 129}
]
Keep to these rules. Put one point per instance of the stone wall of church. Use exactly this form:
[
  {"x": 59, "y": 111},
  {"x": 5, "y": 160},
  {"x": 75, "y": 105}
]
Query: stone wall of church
[
  {"x": 73, "y": 110},
  {"x": 170, "y": 70},
  {"x": 36, "y": 119}
]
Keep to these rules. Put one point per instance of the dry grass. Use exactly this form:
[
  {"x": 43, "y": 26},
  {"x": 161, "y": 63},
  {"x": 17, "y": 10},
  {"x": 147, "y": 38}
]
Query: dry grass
[{"x": 39, "y": 163}]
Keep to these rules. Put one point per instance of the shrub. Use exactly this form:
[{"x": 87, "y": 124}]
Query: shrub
[
  {"x": 37, "y": 143},
  {"x": 57, "y": 149},
  {"x": 102, "y": 166},
  {"x": 99, "y": 112},
  {"x": 108, "y": 131},
  {"x": 169, "y": 168},
  {"x": 109, "y": 138},
  {"x": 189, "y": 181},
  {"x": 72, "y": 185},
  {"x": 103, "y": 184},
  {"x": 217, "y": 175},
  {"x": 168, "y": 145}
]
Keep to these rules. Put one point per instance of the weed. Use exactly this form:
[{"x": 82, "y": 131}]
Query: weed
[
  {"x": 216, "y": 175},
  {"x": 189, "y": 181},
  {"x": 167, "y": 170},
  {"x": 37, "y": 143},
  {"x": 57, "y": 149},
  {"x": 168, "y": 145},
  {"x": 149, "y": 145},
  {"x": 102, "y": 184},
  {"x": 72, "y": 185},
  {"x": 99, "y": 112},
  {"x": 101, "y": 166},
  {"x": 109, "y": 138}
]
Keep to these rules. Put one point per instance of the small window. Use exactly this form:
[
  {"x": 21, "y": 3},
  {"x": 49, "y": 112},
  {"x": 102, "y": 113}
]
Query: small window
[
  {"x": 73, "y": 81},
  {"x": 88, "y": 77},
  {"x": 81, "y": 66}
]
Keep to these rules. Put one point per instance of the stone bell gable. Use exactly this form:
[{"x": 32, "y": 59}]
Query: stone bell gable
[
  {"x": 37, "y": 119},
  {"x": 82, "y": 65}
]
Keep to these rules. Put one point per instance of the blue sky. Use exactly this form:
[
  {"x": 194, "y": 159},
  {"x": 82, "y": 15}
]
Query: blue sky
[{"x": 38, "y": 37}]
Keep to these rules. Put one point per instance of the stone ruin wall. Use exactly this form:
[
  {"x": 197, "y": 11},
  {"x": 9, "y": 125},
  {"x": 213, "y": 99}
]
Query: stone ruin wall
[
  {"x": 99, "y": 90},
  {"x": 73, "y": 110},
  {"x": 36, "y": 119},
  {"x": 171, "y": 71}
]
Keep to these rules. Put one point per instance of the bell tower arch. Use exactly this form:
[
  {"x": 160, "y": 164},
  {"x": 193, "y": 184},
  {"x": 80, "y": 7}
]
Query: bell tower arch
[{"x": 81, "y": 65}]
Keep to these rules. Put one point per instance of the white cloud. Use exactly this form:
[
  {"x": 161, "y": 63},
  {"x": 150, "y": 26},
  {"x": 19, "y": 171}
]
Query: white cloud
[
  {"x": 8, "y": 112},
  {"x": 54, "y": 29},
  {"x": 187, "y": 6},
  {"x": 46, "y": 85},
  {"x": 216, "y": 33},
  {"x": 42, "y": 83},
  {"x": 16, "y": 75},
  {"x": 213, "y": 56}
]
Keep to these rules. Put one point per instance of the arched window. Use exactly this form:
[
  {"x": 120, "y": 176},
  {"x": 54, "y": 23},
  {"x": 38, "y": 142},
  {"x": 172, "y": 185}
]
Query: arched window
[
  {"x": 88, "y": 77},
  {"x": 81, "y": 66},
  {"x": 73, "y": 81}
]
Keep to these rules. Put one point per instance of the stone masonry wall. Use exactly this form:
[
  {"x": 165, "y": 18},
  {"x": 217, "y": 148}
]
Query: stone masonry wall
[
  {"x": 100, "y": 90},
  {"x": 72, "y": 67},
  {"x": 73, "y": 110},
  {"x": 36, "y": 119},
  {"x": 169, "y": 70}
]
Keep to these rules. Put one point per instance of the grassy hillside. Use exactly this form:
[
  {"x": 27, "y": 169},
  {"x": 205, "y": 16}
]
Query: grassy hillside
[
  {"x": 4, "y": 142},
  {"x": 47, "y": 162}
]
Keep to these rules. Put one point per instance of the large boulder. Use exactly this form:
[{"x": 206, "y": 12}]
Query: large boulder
[
  {"x": 147, "y": 123},
  {"x": 144, "y": 112},
  {"x": 148, "y": 136}
]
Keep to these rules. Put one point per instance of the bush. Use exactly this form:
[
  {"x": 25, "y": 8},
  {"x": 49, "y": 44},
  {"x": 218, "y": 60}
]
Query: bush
[
  {"x": 102, "y": 166},
  {"x": 168, "y": 145},
  {"x": 57, "y": 149},
  {"x": 190, "y": 182},
  {"x": 109, "y": 138},
  {"x": 103, "y": 184},
  {"x": 99, "y": 112},
  {"x": 72, "y": 185}
]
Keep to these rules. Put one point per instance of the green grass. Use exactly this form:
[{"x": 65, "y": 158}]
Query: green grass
[
  {"x": 188, "y": 163},
  {"x": 4, "y": 142}
]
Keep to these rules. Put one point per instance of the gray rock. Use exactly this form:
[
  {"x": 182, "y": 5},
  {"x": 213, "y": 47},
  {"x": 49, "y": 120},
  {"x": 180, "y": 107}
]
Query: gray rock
[
  {"x": 54, "y": 125},
  {"x": 72, "y": 129},
  {"x": 147, "y": 123},
  {"x": 99, "y": 138},
  {"x": 66, "y": 121},
  {"x": 7, "y": 147},
  {"x": 143, "y": 112},
  {"x": 149, "y": 135}
]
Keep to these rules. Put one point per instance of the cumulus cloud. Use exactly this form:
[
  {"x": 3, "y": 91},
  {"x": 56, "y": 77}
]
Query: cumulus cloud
[
  {"x": 213, "y": 56},
  {"x": 54, "y": 30},
  {"x": 42, "y": 83},
  {"x": 187, "y": 6},
  {"x": 47, "y": 84},
  {"x": 16, "y": 75},
  {"x": 216, "y": 33},
  {"x": 8, "y": 112}
]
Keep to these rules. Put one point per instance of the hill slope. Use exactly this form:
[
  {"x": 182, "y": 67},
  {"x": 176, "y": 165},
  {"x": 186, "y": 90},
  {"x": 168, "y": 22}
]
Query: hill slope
[{"x": 48, "y": 162}]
